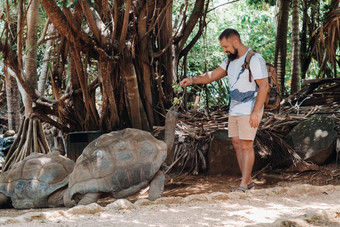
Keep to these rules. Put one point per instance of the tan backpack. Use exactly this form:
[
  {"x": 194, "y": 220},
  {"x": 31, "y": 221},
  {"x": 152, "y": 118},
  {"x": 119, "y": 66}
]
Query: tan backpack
[{"x": 273, "y": 97}]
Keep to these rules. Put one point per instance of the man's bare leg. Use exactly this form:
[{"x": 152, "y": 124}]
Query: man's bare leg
[
  {"x": 248, "y": 159},
  {"x": 245, "y": 158},
  {"x": 237, "y": 146}
]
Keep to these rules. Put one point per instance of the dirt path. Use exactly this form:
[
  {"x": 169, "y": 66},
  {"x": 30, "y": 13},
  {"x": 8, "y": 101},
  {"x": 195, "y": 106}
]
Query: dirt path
[
  {"x": 280, "y": 199},
  {"x": 299, "y": 205}
]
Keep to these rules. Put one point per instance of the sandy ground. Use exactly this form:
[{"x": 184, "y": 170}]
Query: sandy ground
[
  {"x": 298, "y": 205},
  {"x": 281, "y": 198}
]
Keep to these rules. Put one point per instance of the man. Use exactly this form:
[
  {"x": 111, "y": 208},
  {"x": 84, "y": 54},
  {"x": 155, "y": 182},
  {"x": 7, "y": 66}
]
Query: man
[{"x": 247, "y": 98}]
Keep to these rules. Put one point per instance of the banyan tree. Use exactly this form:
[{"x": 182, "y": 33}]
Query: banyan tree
[{"x": 101, "y": 65}]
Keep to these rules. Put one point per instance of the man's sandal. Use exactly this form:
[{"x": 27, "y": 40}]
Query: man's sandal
[
  {"x": 239, "y": 188},
  {"x": 251, "y": 185}
]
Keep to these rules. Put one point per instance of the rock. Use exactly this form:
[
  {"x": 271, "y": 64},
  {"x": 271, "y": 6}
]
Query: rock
[
  {"x": 144, "y": 202},
  {"x": 196, "y": 198},
  {"x": 169, "y": 200},
  {"x": 219, "y": 196},
  {"x": 222, "y": 156},
  {"x": 313, "y": 139},
  {"x": 314, "y": 218},
  {"x": 92, "y": 208},
  {"x": 120, "y": 204}
]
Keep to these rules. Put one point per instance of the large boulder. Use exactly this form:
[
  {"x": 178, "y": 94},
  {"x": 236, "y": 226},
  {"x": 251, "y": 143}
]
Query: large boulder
[
  {"x": 313, "y": 139},
  {"x": 222, "y": 156}
]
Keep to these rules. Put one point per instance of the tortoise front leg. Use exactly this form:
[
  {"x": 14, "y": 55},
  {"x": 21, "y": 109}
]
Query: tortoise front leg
[{"x": 89, "y": 198}]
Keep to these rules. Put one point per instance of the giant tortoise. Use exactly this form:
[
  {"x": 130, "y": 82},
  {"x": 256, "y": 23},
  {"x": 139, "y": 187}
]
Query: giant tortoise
[
  {"x": 121, "y": 163},
  {"x": 37, "y": 181}
]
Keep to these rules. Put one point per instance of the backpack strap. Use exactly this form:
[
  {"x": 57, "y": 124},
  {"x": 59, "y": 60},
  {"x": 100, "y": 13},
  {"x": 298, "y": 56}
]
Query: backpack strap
[
  {"x": 228, "y": 63},
  {"x": 246, "y": 64}
]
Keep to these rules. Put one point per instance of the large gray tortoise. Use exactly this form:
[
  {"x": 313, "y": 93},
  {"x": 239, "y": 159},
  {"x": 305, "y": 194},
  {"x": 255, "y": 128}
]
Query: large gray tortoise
[
  {"x": 119, "y": 164},
  {"x": 37, "y": 181}
]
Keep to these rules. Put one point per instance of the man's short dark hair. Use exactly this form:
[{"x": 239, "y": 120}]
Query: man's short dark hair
[{"x": 229, "y": 32}]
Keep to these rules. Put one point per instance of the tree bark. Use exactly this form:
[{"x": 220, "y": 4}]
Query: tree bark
[
  {"x": 131, "y": 89},
  {"x": 281, "y": 43},
  {"x": 31, "y": 56},
  {"x": 303, "y": 49},
  {"x": 145, "y": 63},
  {"x": 166, "y": 37},
  {"x": 109, "y": 113},
  {"x": 295, "y": 85},
  {"x": 13, "y": 106},
  {"x": 47, "y": 55}
]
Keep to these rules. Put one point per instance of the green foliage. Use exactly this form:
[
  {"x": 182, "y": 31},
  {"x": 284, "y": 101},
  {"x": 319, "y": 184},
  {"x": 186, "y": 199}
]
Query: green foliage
[
  {"x": 257, "y": 29},
  {"x": 261, "y": 3},
  {"x": 256, "y": 22},
  {"x": 177, "y": 88}
]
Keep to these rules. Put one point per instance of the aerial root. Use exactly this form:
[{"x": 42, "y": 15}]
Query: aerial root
[{"x": 30, "y": 138}]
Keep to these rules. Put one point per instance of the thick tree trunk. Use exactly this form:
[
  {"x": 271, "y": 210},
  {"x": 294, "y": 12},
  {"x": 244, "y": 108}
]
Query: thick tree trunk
[
  {"x": 132, "y": 97},
  {"x": 13, "y": 105},
  {"x": 109, "y": 112},
  {"x": 166, "y": 58},
  {"x": 30, "y": 137},
  {"x": 31, "y": 56},
  {"x": 281, "y": 42},
  {"x": 145, "y": 63}
]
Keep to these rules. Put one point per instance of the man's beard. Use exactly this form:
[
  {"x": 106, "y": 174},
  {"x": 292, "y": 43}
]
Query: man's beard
[{"x": 233, "y": 56}]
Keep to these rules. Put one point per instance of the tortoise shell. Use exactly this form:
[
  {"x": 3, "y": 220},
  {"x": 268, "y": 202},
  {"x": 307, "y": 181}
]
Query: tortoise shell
[
  {"x": 29, "y": 182},
  {"x": 117, "y": 161}
]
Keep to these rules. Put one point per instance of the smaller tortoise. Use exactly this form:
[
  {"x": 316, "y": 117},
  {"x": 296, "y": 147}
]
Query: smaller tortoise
[
  {"x": 119, "y": 164},
  {"x": 37, "y": 181}
]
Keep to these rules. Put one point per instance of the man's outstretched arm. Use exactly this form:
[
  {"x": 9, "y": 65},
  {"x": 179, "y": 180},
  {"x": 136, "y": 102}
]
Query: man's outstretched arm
[{"x": 205, "y": 78}]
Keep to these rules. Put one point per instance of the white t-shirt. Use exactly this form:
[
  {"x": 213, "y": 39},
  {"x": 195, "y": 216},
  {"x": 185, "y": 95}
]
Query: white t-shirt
[{"x": 242, "y": 92}]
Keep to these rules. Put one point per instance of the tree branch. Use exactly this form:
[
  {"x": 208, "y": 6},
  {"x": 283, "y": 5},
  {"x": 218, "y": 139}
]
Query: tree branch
[
  {"x": 223, "y": 5},
  {"x": 125, "y": 25},
  {"x": 92, "y": 21},
  {"x": 202, "y": 24},
  {"x": 156, "y": 21},
  {"x": 58, "y": 19},
  {"x": 188, "y": 27},
  {"x": 43, "y": 35}
]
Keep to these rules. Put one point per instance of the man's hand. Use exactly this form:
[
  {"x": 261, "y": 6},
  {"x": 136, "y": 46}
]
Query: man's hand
[
  {"x": 205, "y": 78},
  {"x": 186, "y": 82},
  {"x": 254, "y": 119}
]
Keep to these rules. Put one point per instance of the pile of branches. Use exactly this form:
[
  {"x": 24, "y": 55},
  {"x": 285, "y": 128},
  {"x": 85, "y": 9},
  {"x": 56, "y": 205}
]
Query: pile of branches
[
  {"x": 194, "y": 129},
  {"x": 194, "y": 132},
  {"x": 319, "y": 96}
]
